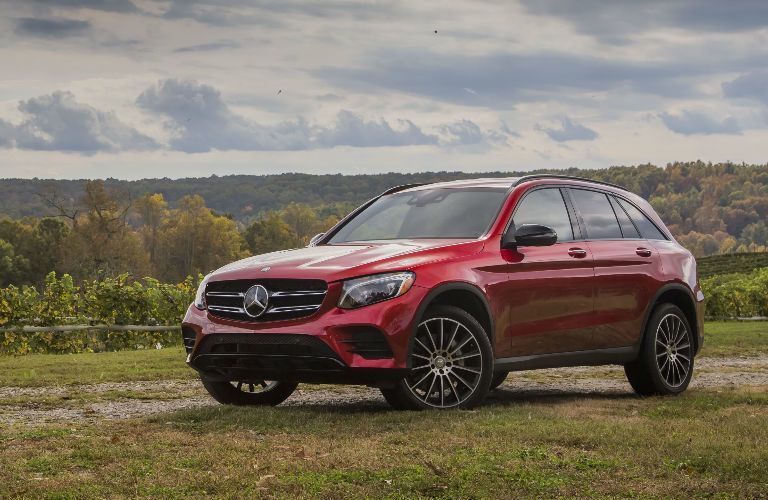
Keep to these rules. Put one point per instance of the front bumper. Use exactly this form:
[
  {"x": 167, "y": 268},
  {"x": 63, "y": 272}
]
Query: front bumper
[{"x": 368, "y": 345}]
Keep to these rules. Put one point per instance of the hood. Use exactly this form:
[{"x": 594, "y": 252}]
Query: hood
[{"x": 336, "y": 262}]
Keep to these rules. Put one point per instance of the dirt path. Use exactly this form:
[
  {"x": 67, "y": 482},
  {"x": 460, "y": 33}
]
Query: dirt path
[{"x": 108, "y": 400}]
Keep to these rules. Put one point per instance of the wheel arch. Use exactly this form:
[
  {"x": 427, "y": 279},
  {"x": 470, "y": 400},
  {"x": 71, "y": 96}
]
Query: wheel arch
[
  {"x": 459, "y": 294},
  {"x": 682, "y": 297}
]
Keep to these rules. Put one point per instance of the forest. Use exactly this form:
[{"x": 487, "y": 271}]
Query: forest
[{"x": 171, "y": 229}]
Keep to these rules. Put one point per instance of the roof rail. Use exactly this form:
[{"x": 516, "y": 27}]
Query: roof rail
[
  {"x": 402, "y": 187},
  {"x": 532, "y": 177}
]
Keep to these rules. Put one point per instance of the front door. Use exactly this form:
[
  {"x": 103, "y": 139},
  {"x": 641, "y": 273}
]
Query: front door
[{"x": 549, "y": 292}]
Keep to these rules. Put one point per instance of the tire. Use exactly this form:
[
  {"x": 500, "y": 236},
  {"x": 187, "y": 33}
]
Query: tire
[
  {"x": 498, "y": 379},
  {"x": 665, "y": 363},
  {"x": 240, "y": 393},
  {"x": 452, "y": 349}
]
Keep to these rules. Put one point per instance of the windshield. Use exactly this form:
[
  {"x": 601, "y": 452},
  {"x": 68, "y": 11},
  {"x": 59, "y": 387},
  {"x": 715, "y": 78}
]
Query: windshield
[{"x": 428, "y": 213}]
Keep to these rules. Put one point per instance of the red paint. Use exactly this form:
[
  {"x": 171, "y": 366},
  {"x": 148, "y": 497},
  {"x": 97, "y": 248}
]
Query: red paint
[{"x": 570, "y": 296}]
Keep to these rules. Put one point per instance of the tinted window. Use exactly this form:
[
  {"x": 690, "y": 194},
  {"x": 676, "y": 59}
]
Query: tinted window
[
  {"x": 627, "y": 228},
  {"x": 647, "y": 228},
  {"x": 598, "y": 215},
  {"x": 426, "y": 213},
  {"x": 545, "y": 206}
]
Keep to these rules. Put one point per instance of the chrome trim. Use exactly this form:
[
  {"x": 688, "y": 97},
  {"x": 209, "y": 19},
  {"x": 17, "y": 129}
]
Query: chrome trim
[
  {"x": 239, "y": 310},
  {"x": 285, "y": 309},
  {"x": 298, "y": 293},
  {"x": 233, "y": 295}
]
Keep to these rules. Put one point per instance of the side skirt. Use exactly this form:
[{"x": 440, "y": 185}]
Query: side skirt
[{"x": 611, "y": 356}]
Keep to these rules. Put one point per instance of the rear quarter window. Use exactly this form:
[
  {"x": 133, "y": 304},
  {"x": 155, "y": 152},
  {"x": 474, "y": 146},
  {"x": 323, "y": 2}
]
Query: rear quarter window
[{"x": 648, "y": 229}]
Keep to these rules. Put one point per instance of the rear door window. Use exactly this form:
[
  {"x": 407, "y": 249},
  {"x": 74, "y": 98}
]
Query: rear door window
[
  {"x": 597, "y": 213},
  {"x": 648, "y": 229}
]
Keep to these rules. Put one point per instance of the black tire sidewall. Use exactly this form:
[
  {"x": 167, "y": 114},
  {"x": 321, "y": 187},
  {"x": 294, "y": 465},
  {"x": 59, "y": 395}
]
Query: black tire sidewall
[
  {"x": 648, "y": 355},
  {"x": 226, "y": 393}
]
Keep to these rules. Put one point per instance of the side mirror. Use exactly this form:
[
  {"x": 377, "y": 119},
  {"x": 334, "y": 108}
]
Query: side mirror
[
  {"x": 315, "y": 239},
  {"x": 529, "y": 235}
]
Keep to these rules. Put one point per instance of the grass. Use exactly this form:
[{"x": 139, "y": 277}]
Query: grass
[
  {"x": 735, "y": 338},
  {"x": 38, "y": 370},
  {"x": 699, "y": 444},
  {"x": 703, "y": 443}
]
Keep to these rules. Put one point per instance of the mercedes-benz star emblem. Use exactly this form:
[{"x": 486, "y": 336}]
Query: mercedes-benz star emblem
[{"x": 255, "y": 301}]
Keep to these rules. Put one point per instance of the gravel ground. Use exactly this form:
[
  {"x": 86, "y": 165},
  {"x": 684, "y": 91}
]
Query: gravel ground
[{"x": 59, "y": 406}]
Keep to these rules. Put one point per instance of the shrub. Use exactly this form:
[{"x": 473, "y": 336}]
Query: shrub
[
  {"x": 737, "y": 295},
  {"x": 113, "y": 301}
]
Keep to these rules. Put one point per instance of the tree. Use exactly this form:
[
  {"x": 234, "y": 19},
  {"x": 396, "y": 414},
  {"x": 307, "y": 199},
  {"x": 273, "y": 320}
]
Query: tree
[
  {"x": 269, "y": 234},
  {"x": 302, "y": 221},
  {"x": 101, "y": 243},
  {"x": 13, "y": 268},
  {"x": 36, "y": 244},
  {"x": 152, "y": 211},
  {"x": 193, "y": 240}
]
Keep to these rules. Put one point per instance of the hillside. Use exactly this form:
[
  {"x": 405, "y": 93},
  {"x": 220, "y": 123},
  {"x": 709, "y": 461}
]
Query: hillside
[{"x": 711, "y": 208}]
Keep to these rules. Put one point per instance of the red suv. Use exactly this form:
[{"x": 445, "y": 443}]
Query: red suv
[{"x": 433, "y": 293}]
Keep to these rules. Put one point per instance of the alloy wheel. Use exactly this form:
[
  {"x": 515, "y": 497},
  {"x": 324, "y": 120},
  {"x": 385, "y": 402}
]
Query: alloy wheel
[
  {"x": 673, "y": 350},
  {"x": 254, "y": 387},
  {"x": 447, "y": 363}
]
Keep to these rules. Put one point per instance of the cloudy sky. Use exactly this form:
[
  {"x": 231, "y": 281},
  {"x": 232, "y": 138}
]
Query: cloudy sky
[{"x": 145, "y": 88}]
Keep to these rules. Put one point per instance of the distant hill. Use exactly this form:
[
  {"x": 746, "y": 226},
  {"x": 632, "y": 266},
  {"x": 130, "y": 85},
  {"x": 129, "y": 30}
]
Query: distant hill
[
  {"x": 710, "y": 208},
  {"x": 243, "y": 196}
]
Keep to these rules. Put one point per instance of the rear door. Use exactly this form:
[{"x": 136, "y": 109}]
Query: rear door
[
  {"x": 549, "y": 293},
  {"x": 624, "y": 265}
]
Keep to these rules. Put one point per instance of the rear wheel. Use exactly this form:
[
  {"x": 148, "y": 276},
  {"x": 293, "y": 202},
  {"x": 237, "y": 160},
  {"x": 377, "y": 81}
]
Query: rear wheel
[
  {"x": 665, "y": 364},
  {"x": 263, "y": 392},
  {"x": 451, "y": 363}
]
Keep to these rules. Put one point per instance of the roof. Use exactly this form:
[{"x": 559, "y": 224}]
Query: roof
[{"x": 497, "y": 182}]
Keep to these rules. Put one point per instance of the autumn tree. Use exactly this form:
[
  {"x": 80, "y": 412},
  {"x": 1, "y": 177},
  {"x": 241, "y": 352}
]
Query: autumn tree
[
  {"x": 268, "y": 234},
  {"x": 192, "y": 240},
  {"x": 151, "y": 211},
  {"x": 101, "y": 243},
  {"x": 291, "y": 227}
]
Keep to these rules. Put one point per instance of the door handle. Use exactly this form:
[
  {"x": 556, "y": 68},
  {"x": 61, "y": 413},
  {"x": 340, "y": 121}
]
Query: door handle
[
  {"x": 577, "y": 253},
  {"x": 643, "y": 252}
]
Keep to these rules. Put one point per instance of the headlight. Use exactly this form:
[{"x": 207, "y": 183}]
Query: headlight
[
  {"x": 368, "y": 290},
  {"x": 200, "y": 295}
]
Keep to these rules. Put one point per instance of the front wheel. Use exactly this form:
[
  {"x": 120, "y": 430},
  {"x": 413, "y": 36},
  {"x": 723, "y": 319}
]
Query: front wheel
[
  {"x": 665, "y": 364},
  {"x": 498, "y": 379},
  {"x": 263, "y": 392},
  {"x": 451, "y": 363}
]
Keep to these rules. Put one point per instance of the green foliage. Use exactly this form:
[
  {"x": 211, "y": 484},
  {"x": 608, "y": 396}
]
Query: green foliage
[
  {"x": 112, "y": 301},
  {"x": 290, "y": 227},
  {"x": 737, "y": 295}
]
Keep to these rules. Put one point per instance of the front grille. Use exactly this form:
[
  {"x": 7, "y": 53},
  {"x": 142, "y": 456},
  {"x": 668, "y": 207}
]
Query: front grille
[
  {"x": 267, "y": 344},
  {"x": 288, "y": 298}
]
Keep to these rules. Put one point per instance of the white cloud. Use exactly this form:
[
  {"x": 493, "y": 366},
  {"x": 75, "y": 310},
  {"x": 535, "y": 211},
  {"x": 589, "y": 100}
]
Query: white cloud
[
  {"x": 570, "y": 131},
  {"x": 350, "y": 129},
  {"x": 753, "y": 85},
  {"x": 57, "y": 122},
  {"x": 696, "y": 123}
]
